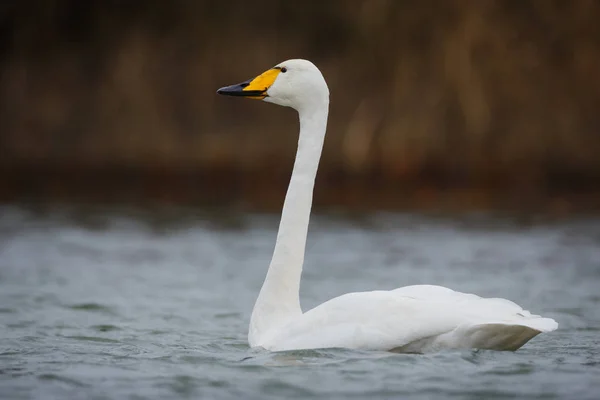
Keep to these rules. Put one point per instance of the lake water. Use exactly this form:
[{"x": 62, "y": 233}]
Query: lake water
[{"x": 135, "y": 304}]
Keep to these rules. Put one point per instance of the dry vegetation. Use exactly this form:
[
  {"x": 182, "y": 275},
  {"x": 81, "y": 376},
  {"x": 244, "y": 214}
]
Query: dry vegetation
[{"x": 486, "y": 97}]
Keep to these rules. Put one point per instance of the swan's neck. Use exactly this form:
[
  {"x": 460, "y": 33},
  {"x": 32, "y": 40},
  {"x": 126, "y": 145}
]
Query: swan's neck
[{"x": 279, "y": 298}]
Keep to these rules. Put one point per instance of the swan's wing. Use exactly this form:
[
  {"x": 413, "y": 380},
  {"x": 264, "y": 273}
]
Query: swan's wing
[
  {"x": 377, "y": 320},
  {"x": 475, "y": 308},
  {"x": 413, "y": 318}
]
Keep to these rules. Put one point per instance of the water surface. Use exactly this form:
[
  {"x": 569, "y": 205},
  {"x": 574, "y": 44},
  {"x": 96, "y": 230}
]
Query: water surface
[{"x": 155, "y": 304}]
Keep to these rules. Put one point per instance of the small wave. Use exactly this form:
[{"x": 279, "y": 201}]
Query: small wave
[
  {"x": 228, "y": 315},
  {"x": 307, "y": 357},
  {"x": 105, "y": 328},
  {"x": 515, "y": 369},
  {"x": 64, "y": 379},
  {"x": 588, "y": 329},
  {"x": 282, "y": 388},
  {"x": 93, "y": 307},
  {"x": 92, "y": 339}
]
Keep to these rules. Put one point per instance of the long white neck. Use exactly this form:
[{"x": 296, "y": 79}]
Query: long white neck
[{"x": 279, "y": 297}]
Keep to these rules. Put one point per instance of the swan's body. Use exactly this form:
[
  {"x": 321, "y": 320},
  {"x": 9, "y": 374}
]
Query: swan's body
[{"x": 410, "y": 319}]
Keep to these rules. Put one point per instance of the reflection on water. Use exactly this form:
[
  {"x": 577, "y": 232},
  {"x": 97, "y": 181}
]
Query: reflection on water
[{"x": 155, "y": 303}]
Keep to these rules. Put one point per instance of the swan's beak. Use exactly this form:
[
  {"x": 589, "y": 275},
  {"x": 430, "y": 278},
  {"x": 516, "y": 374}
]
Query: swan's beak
[{"x": 253, "y": 88}]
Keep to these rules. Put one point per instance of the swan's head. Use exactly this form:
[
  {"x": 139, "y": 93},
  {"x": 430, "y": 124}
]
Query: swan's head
[{"x": 293, "y": 83}]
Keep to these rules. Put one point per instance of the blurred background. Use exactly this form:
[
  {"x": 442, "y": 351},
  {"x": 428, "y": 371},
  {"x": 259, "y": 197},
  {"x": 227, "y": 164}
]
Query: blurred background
[{"x": 434, "y": 104}]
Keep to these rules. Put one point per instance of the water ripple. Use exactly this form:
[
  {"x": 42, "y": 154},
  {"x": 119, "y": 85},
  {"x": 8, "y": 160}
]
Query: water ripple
[{"x": 129, "y": 304}]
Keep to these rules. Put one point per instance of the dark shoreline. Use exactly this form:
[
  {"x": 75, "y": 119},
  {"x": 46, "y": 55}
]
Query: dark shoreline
[{"x": 264, "y": 191}]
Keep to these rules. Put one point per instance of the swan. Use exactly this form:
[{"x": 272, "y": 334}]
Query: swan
[{"x": 416, "y": 319}]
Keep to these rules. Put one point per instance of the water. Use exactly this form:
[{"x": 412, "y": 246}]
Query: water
[{"x": 155, "y": 304}]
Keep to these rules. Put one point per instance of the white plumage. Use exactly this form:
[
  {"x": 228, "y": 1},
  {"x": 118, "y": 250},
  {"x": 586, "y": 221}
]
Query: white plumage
[{"x": 419, "y": 318}]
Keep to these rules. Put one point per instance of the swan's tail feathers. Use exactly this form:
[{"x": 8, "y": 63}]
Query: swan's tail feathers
[
  {"x": 506, "y": 336},
  {"x": 541, "y": 324}
]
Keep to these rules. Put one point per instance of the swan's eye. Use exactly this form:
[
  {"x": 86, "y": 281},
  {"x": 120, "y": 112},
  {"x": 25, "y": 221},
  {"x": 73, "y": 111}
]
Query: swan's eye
[{"x": 283, "y": 69}]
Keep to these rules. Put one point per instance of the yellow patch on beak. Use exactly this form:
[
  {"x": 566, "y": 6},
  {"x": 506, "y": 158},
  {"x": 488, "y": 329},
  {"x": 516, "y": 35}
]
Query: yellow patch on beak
[
  {"x": 253, "y": 89},
  {"x": 262, "y": 83}
]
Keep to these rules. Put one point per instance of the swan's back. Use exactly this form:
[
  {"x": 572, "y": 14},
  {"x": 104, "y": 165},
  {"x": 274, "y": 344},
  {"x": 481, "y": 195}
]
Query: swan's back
[{"x": 419, "y": 318}]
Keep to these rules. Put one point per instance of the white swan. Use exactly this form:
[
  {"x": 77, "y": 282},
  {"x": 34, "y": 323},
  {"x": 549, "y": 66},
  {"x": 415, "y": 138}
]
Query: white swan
[{"x": 419, "y": 318}]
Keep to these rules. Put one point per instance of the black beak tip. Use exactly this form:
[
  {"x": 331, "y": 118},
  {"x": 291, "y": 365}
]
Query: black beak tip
[
  {"x": 238, "y": 91},
  {"x": 233, "y": 90}
]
